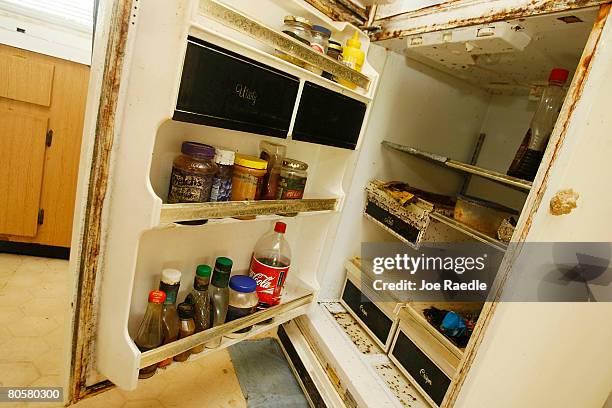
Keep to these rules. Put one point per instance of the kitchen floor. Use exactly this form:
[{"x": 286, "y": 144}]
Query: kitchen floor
[{"x": 34, "y": 297}]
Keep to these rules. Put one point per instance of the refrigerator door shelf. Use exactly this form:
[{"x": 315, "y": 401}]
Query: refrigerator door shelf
[
  {"x": 296, "y": 300},
  {"x": 200, "y": 211}
]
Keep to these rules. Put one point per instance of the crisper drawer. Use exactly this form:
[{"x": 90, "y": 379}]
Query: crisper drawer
[
  {"x": 432, "y": 380},
  {"x": 376, "y": 315},
  {"x": 329, "y": 118},
  {"x": 224, "y": 89}
]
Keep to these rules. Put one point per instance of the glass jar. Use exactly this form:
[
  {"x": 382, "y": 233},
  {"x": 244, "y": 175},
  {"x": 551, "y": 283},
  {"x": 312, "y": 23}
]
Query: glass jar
[
  {"x": 243, "y": 301},
  {"x": 292, "y": 180},
  {"x": 192, "y": 174},
  {"x": 247, "y": 179},
  {"x": 187, "y": 327},
  {"x": 274, "y": 154},
  {"x": 320, "y": 38},
  {"x": 334, "y": 51},
  {"x": 301, "y": 30},
  {"x": 222, "y": 182}
]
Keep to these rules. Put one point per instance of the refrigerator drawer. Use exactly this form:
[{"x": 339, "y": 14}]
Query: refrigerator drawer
[
  {"x": 223, "y": 89},
  {"x": 378, "y": 316},
  {"x": 424, "y": 373},
  {"x": 329, "y": 118}
]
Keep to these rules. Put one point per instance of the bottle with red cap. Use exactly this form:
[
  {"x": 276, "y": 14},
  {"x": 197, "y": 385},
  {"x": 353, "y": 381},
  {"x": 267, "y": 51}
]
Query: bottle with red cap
[
  {"x": 150, "y": 332},
  {"x": 270, "y": 265},
  {"x": 529, "y": 155}
]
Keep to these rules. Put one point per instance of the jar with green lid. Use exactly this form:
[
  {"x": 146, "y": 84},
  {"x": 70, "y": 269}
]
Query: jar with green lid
[
  {"x": 292, "y": 180},
  {"x": 192, "y": 174}
]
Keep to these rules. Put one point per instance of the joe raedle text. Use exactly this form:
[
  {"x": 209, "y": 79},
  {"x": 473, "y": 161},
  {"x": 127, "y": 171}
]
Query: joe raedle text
[{"x": 447, "y": 285}]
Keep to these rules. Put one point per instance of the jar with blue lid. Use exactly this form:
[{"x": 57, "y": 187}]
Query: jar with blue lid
[{"x": 243, "y": 301}]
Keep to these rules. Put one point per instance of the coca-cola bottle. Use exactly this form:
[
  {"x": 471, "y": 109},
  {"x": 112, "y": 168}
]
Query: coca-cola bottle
[
  {"x": 270, "y": 265},
  {"x": 529, "y": 155}
]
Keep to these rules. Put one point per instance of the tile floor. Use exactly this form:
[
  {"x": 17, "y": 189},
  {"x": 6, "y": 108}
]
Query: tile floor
[{"x": 33, "y": 308}]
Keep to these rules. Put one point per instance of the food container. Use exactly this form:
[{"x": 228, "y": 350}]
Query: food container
[
  {"x": 247, "y": 178},
  {"x": 482, "y": 215},
  {"x": 222, "y": 182},
  {"x": 243, "y": 301},
  {"x": 334, "y": 51},
  {"x": 319, "y": 42},
  {"x": 192, "y": 174},
  {"x": 292, "y": 180},
  {"x": 301, "y": 30},
  {"x": 274, "y": 154}
]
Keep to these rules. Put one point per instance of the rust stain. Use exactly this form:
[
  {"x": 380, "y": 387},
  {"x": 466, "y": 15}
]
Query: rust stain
[
  {"x": 339, "y": 12},
  {"x": 490, "y": 307},
  {"x": 532, "y": 8},
  {"x": 84, "y": 322}
]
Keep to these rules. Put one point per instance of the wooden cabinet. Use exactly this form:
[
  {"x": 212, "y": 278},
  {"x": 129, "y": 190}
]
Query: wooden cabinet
[{"x": 42, "y": 103}]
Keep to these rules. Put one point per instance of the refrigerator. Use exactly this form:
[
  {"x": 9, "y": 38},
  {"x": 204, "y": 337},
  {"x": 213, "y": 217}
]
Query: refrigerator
[{"x": 436, "y": 77}]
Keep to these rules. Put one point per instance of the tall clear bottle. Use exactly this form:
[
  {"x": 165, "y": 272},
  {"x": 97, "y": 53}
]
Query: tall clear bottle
[
  {"x": 201, "y": 301},
  {"x": 150, "y": 333},
  {"x": 270, "y": 265},
  {"x": 219, "y": 295},
  {"x": 529, "y": 155},
  {"x": 169, "y": 284}
]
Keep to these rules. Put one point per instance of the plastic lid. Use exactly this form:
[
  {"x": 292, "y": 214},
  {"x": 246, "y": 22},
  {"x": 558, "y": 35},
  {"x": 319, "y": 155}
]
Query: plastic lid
[
  {"x": 333, "y": 45},
  {"x": 321, "y": 29},
  {"x": 198, "y": 150},
  {"x": 354, "y": 42},
  {"x": 185, "y": 310},
  {"x": 171, "y": 276},
  {"x": 242, "y": 284},
  {"x": 295, "y": 164},
  {"x": 250, "y": 161},
  {"x": 225, "y": 156},
  {"x": 203, "y": 271},
  {"x": 157, "y": 296},
  {"x": 297, "y": 19},
  {"x": 559, "y": 75},
  {"x": 280, "y": 227}
]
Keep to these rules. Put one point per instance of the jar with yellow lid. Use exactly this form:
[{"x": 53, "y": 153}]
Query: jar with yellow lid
[{"x": 247, "y": 179}]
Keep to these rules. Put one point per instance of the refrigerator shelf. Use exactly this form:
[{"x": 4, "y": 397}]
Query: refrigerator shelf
[
  {"x": 267, "y": 35},
  {"x": 465, "y": 167},
  {"x": 294, "y": 300},
  {"x": 201, "y": 211}
]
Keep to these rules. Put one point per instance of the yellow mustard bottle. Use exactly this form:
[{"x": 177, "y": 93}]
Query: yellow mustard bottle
[{"x": 353, "y": 57}]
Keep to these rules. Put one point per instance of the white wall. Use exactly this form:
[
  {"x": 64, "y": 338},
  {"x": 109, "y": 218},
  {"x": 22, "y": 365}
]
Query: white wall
[{"x": 46, "y": 33}]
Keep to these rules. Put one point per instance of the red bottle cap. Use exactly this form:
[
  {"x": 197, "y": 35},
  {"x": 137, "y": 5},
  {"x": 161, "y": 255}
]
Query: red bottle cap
[
  {"x": 558, "y": 75},
  {"x": 157, "y": 296},
  {"x": 280, "y": 227}
]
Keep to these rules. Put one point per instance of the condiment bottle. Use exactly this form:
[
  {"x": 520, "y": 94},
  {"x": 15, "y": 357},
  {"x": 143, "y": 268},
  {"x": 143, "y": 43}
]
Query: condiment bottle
[
  {"x": 192, "y": 174},
  {"x": 353, "y": 57},
  {"x": 292, "y": 180},
  {"x": 247, "y": 179},
  {"x": 299, "y": 29},
  {"x": 219, "y": 295},
  {"x": 334, "y": 51},
  {"x": 150, "y": 332},
  {"x": 243, "y": 301},
  {"x": 319, "y": 42},
  {"x": 529, "y": 155},
  {"x": 201, "y": 301},
  {"x": 222, "y": 182},
  {"x": 169, "y": 284},
  {"x": 187, "y": 327},
  {"x": 270, "y": 265},
  {"x": 274, "y": 154}
]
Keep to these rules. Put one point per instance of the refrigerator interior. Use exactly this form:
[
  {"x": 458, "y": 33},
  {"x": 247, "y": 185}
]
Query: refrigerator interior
[{"x": 417, "y": 102}]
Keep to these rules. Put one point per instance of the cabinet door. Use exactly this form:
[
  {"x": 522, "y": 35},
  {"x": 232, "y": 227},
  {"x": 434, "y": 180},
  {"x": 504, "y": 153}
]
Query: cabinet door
[
  {"x": 224, "y": 89},
  {"x": 22, "y": 151},
  {"x": 329, "y": 118}
]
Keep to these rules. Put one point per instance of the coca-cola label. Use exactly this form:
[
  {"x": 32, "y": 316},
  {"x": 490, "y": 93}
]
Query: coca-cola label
[{"x": 270, "y": 281}]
